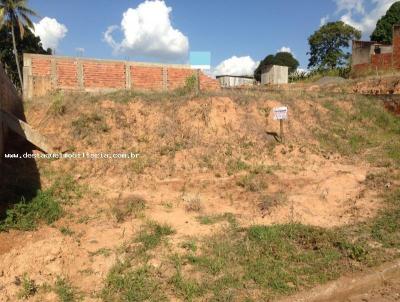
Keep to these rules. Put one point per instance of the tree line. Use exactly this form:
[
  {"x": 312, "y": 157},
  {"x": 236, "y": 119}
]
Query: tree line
[
  {"x": 329, "y": 45},
  {"x": 16, "y": 37}
]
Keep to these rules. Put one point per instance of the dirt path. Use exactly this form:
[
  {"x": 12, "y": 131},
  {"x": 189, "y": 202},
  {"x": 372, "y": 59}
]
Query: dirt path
[{"x": 377, "y": 285}]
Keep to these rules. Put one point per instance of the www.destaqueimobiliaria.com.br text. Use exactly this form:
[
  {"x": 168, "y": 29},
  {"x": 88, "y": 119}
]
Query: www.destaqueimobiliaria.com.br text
[{"x": 73, "y": 155}]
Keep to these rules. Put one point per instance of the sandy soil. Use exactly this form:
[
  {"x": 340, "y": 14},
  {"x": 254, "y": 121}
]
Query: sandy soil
[{"x": 317, "y": 188}]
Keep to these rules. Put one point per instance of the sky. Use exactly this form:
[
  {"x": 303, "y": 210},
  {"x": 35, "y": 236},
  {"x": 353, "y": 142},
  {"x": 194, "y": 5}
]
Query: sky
[{"x": 237, "y": 33}]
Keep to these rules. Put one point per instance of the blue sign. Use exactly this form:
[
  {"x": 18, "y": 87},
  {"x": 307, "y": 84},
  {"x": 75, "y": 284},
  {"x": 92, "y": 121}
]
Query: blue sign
[{"x": 200, "y": 59}]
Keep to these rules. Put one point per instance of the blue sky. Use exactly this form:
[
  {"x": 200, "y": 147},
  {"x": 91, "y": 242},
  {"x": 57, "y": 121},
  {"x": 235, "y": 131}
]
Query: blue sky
[{"x": 253, "y": 28}]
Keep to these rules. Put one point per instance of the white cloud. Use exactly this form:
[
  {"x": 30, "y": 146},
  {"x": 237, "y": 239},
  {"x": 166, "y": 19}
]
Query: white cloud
[
  {"x": 236, "y": 66},
  {"x": 302, "y": 70},
  {"x": 346, "y": 5},
  {"x": 284, "y": 49},
  {"x": 355, "y": 13},
  {"x": 147, "y": 31},
  {"x": 50, "y": 31},
  {"x": 324, "y": 20}
]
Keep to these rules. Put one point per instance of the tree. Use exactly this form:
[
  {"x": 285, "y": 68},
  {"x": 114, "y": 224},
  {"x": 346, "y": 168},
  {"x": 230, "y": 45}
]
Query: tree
[
  {"x": 328, "y": 44},
  {"x": 17, "y": 15},
  {"x": 1, "y": 16},
  {"x": 281, "y": 58},
  {"x": 29, "y": 44},
  {"x": 286, "y": 59},
  {"x": 384, "y": 26}
]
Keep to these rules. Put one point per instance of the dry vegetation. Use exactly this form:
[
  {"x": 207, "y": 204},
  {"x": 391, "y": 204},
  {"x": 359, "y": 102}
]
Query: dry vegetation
[{"x": 214, "y": 207}]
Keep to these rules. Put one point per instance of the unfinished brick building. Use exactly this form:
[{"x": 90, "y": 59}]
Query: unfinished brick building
[
  {"x": 370, "y": 56},
  {"x": 44, "y": 73}
]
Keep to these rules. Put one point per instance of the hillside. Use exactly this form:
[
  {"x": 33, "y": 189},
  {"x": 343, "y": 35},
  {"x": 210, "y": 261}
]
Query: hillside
[{"x": 210, "y": 184}]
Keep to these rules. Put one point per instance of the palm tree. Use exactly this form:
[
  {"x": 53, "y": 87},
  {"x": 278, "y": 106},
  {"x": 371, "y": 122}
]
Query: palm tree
[
  {"x": 1, "y": 16},
  {"x": 15, "y": 13}
]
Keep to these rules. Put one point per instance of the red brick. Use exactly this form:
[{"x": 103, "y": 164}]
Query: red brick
[
  {"x": 67, "y": 75},
  {"x": 147, "y": 78}
]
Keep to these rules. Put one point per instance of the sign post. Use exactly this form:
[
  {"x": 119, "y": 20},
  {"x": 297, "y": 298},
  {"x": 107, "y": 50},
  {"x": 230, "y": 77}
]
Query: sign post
[{"x": 281, "y": 113}]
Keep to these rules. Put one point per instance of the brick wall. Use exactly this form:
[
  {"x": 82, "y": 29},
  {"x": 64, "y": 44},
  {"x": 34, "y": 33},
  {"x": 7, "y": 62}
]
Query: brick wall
[
  {"x": 396, "y": 46},
  {"x": 44, "y": 73},
  {"x": 147, "y": 78},
  {"x": 67, "y": 75},
  {"x": 41, "y": 66},
  {"x": 103, "y": 75},
  {"x": 177, "y": 77},
  {"x": 381, "y": 61},
  {"x": 207, "y": 83}
]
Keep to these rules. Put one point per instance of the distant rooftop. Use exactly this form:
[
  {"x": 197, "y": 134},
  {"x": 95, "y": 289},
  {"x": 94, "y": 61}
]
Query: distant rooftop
[{"x": 234, "y": 76}]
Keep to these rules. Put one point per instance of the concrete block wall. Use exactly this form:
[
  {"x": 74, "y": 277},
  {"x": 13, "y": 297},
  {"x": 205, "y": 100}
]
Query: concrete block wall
[
  {"x": 43, "y": 73},
  {"x": 275, "y": 74}
]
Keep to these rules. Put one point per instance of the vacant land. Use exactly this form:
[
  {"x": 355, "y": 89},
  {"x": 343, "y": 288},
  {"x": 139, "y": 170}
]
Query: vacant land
[{"x": 214, "y": 208}]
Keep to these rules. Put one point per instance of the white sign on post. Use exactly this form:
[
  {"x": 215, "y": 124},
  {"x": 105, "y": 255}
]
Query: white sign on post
[{"x": 280, "y": 113}]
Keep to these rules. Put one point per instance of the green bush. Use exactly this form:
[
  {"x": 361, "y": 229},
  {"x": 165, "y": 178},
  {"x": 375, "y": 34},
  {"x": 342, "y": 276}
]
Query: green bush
[{"x": 25, "y": 215}]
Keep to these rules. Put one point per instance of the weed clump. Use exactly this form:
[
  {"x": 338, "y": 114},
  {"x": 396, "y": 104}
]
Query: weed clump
[
  {"x": 153, "y": 234},
  {"x": 131, "y": 206},
  {"x": 87, "y": 124},
  {"x": 193, "y": 204},
  {"x": 29, "y": 288},
  {"x": 252, "y": 182},
  {"x": 234, "y": 166},
  {"x": 25, "y": 215},
  {"x": 45, "y": 207},
  {"x": 126, "y": 284},
  {"x": 385, "y": 228},
  {"x": 64, "y": 290}
]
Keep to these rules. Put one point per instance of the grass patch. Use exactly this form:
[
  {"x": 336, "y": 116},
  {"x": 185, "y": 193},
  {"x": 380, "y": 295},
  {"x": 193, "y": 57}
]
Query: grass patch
[
  {"x": 139, "y": 164},
  {"x": 58, "y": 107},
  {"x": 101, "y": 252},
  {"x": 189, "y": 245},
  {"x": 268, "y": 202},
  {"x": 26, "y": 215},
  {"x": 132, "y": 206},
  {"x": 64, "y": 290},
  {"x": 172, "y": 148},
  {"x": 45, "y": 207},
  {"x": 213, "y": 219},
  {"x": 278, "y": 259},
  {"x": 153, "y": 234},
  {"x": 87, "y": 124},
  {"x": 386, "y": 227},
  {"x": 66, "y": 231},
  {"x": 186, "y": 288},
  {"x": 28, "y": 288},
  {"x": 125, "y": 284},
  {"x": 234, "y": 166},
  {"x": 252, "y": 182},
  {"x": 269, "y": 261},
  {"x": 367, "y": 130},
  {"x": 66, "y": 189}
]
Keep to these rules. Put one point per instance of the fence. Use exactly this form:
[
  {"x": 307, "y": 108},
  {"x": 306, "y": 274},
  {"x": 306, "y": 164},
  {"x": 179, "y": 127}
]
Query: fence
[{"x": 44, "y": 73}]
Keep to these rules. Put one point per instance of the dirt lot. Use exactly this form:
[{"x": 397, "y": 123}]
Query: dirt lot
[{"x": 210, "y": 185}]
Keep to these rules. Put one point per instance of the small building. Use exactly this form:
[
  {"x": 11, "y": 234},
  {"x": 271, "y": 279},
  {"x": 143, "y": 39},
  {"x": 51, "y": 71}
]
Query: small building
[
  {"x": 235, "y": 81},
  {"x": 275, "y": 74},
  {"x": 370, "y": 56}
]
